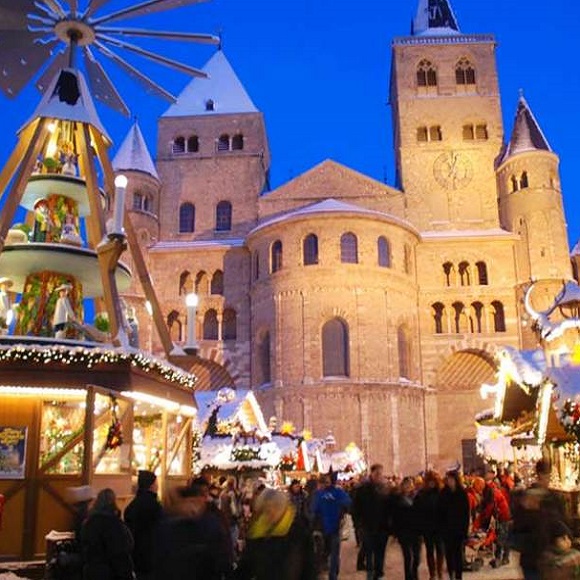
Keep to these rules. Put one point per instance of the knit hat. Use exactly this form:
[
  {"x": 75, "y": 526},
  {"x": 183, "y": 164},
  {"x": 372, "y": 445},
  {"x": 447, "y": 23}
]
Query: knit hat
[
  {"x": 145, "y": 479},
  {"x": 559, "y": 529}
]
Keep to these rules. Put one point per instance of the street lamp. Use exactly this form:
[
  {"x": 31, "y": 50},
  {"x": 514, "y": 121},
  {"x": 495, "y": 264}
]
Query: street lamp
[
  {"x": 119, "y": 211},
  {"x": 191, "y": 301}
]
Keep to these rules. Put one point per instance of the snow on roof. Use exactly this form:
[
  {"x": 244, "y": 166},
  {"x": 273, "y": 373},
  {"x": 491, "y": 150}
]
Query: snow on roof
[
  {"x": 240, "y": 404},
  {"x": 527, "y": 366},
  {"x": 220, "y": 94},
  {"x": 526, "y": 134},
  {"x": 199, "y": 244},
  {"x": 491, "y": 232},
  {"x": 435, "y": 18},
  {"x": 567, "y": 381},
  {"x": 133, "y": 154},
  {"x": 331, "y": 205}
]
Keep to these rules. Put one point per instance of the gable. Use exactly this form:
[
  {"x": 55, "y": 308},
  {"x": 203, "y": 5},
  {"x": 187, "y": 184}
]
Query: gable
[{"x": 332, "y": 180}]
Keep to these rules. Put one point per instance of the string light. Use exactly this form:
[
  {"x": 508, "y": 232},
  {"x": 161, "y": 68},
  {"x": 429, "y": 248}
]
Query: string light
[{"x": 91, "y": 358}]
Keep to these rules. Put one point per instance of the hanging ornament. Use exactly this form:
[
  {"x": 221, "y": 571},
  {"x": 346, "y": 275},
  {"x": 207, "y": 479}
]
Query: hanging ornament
[{"x": 115, "y": 433}]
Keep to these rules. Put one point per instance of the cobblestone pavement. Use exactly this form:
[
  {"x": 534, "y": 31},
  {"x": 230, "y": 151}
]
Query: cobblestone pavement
[{"x": 394, "y": 566}]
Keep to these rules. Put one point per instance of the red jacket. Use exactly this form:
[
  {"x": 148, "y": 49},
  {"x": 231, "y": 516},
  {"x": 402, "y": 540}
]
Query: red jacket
[{"x": 498, "y": 508}]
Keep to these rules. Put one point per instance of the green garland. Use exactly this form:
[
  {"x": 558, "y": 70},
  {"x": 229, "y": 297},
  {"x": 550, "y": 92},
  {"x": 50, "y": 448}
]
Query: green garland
[
  {"x": 245, "y": 454},
  {"x": 95, "y": 357}
]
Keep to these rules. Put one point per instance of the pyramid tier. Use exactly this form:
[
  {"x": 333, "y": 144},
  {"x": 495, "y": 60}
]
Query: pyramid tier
[
  {"x": 19, "y": 260},
  {"x": 41, "y": 186}
]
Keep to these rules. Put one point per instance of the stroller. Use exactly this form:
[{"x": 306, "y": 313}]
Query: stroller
[{"x": 480, "y": 546}]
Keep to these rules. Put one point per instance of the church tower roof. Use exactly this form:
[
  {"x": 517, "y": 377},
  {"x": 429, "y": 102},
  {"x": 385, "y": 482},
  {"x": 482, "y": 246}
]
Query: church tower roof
[
  {"x": 526, "y": 134},
  {"x": 220, "y": 94},
  {"x": 435, "y": 18},
  {"x": 133, "y": 154}
]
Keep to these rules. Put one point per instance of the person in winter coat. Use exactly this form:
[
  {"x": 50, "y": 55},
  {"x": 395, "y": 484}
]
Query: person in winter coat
[
  {"x": 454, "y": 513},
  {"x": 494, "y": 504},
  {"x": 106, "y": 542},
  {"x": 427, "y": 508},
  {"x": 142, "y": 517},
  {"x": 278, "y": 543},
  {"x": 560, "y": 561},
  {"x": 371, "y": 514},
  {"x": 193, "y": 542},
  {"x": 406, "y": 528},
  {"x": 536, "y": 510},
  {"x": 331, "y": 503}
]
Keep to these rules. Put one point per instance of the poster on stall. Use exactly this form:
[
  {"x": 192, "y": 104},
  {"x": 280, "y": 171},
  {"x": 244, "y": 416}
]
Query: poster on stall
[{"x": 12, "y": 452}]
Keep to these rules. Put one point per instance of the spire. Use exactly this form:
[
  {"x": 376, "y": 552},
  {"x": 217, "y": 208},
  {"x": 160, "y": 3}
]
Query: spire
[
  {"x": 221, "y": 94},
  {"x": 526, "y": 134},
  {"x": 435, "y": 18},
  {"x": 133, "y": 154}
]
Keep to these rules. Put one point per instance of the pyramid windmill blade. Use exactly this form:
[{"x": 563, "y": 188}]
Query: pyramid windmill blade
[
  {"x": 94, "y": 6},
  {"x": 150, "y": 86},
  {"x": 60, "y": 62},
  {"x": 101, "y": 85},
  {"x": 165, "y": 35},
  {"x": 14, "y": 14},
  {"x": 147, "y": 7},
  {"x": 195, "y": 72},
  {"x": 74, "y": 7},
  {"x": 21, "y": 57},
  {"x": 54, "y": 6}
]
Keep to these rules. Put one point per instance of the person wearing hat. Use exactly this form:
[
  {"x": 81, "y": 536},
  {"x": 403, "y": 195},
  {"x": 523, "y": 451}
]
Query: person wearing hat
[
  {"x": 63, "y": 311},
  {"x": 5, "y": 306},
  {"x": 560, "y": 561},
  {"x": 142, "y": 517}
]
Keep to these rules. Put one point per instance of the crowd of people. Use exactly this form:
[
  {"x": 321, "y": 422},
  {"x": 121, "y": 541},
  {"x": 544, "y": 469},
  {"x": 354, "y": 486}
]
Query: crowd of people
[{"x": 213, "y": 530}]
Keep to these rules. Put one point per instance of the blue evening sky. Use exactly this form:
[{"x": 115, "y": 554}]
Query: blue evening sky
[{"x": 319, "y": 70}]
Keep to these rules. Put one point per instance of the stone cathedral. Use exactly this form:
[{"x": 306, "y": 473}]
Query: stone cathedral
[{"x": 348, "y": 305}]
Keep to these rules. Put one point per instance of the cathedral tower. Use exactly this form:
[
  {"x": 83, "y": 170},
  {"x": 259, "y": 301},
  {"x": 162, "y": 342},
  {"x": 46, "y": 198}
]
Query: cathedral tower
[
  {"x": 530, "y": 200},
  {"x": 447, "y": 121}
]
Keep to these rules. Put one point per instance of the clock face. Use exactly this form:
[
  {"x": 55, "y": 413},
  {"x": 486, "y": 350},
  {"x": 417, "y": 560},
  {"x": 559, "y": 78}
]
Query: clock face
[{"x": 453, "y": 170}]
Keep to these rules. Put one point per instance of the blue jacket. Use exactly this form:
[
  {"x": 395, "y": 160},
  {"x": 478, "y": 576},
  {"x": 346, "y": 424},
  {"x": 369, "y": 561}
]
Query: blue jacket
[{"x": 330, "y": 504}]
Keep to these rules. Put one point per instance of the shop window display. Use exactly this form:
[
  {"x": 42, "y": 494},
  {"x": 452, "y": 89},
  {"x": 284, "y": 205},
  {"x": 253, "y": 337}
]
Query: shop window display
[
  {"x": 110, "y": 449},
  {"x": 61, "y": 442}
]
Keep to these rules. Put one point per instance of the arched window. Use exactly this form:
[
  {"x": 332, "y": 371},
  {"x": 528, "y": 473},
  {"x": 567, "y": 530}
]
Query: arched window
[
  {"x": 524, "y": 180},
  {"x": 223, "y": 216},
  {"x": 178, "y": 145},
  {"x": 310, "y": 250},
  {"x": 464, "y": 274},
  {"x": 256, "y": 265},
  {"x": 210, "y": 325},
  {"x": 464, "y": 73},
  {"x": 217, "y": 283},
  {"x": 185, "y": 283},
  {"x": 174, "y": 325},
  {"x": 439, "y": 316},
  {"x": 186, "y": 218},
  {"x": 476, "y": 318},
  {"x": 482, "y": 274},
  {"x": 223, "y": 143},
  {"x": 515, "y": 184},
  {"x": 264, "y": 366},
  {"x": 448, "y": 272},
  {"x": 498, "y": 316},
  {"x": 404, "y": 351},
  {"x": 229, "y": 325},
  {"x": 276, "y": 256},
  {"x": 137, "y": 200},
  {"x": 237, "y": 142},
  {"x": 348, "y": 249},
  {"x": 147, "y": 204},
  {"x": 201, "y": 283},
  {"x": 435, "y": 133},
  {"x": 384, "y": 252},
  {"x": 193, "y": 144},
  {"x": 408, "y": 266},
  {"x": 426, "y": 74},
  {"x": 335, "y": 348},
  {"x": 459, "y": 318},
  {"x": 210, "y": 105}
]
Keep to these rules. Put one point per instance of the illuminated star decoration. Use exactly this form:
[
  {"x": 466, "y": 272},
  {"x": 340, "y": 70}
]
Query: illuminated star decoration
[{"x": 36, "y": 32}]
